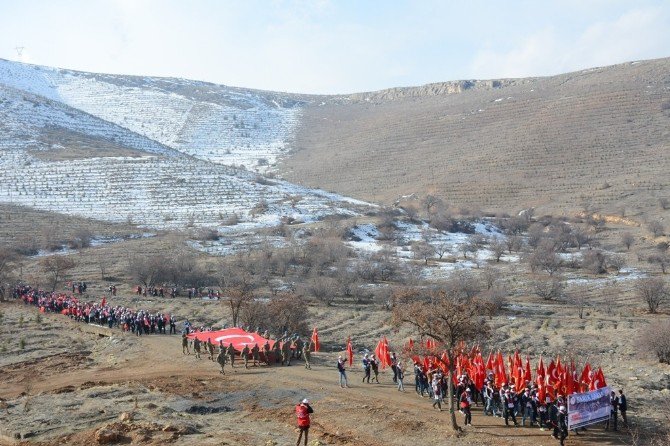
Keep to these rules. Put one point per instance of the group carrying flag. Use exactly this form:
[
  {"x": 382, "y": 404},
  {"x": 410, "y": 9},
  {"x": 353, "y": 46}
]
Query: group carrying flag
[{"x": 552, "y": 380}]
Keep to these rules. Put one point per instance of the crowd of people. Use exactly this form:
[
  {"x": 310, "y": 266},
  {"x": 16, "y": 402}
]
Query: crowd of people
[
  {"x": 139, "y": 322},
  {"x": 517, "y": 406}
]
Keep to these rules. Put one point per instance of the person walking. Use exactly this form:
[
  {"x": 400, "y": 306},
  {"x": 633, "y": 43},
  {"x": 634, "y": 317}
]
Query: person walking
[
  {"x": 400, "y": 371},
  {"x": 286, "y": 353},
  {"x": 302, "y": 412},
  {"x": 266, "y": 352},
  {"x": 210, "y": 349},
  {"x": 623, "y": 407},
  {"x": 394, "y": 365},
  {"x": 255, "y": 354},
  {"x": 196, "y": 347},
  {"x": 366, "y": 368},
  {"x": 221, "y": 359},
  {"x": 466, "y": 401},
  {"x": 614, "y": 410},
  {"x": 231, "y": 354},
  {"x": 437, "y": 394},
  {"x": 307, "y": 356},
  {"x": 245, "y": 356},
  {"x": 508, "y": 408},
  {"x": 527, "y": 409},
  {"x": 184, "y": 345},
  {"x": 343, "y": 373},
  {"x": 562, "y": 424},
  {"x": 374, "y": 365}
]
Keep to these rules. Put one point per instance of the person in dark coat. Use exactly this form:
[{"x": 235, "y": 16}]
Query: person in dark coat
[{"x": 623, "y": 407}]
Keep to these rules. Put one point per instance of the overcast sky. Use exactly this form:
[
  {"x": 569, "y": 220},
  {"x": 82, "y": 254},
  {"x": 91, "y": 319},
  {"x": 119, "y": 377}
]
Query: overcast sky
[{"x": 331, "y": 46}]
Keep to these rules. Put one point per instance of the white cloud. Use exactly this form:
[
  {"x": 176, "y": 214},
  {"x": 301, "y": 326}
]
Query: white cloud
[{"x": 636, "y": 34}]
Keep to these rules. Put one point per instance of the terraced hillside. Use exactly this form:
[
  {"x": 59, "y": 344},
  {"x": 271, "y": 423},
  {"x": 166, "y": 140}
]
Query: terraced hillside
[
  {"x": 597, "y": 137},
  {"x": 161, "y": 153},
  {"x": 37, "y": 124},
  {"x": 600, "y": 136}
]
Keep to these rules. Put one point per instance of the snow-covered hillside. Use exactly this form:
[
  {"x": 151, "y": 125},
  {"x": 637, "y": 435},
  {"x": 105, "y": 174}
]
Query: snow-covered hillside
[
  {"x": 225, "y": 125},
  {"x": 31, "y": 122},
  {"x": 194, "y": 135},
  {"x": 162, "y": 192}
]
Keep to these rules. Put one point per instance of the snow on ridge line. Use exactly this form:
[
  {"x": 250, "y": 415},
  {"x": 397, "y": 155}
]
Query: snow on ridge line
[{"x": 221, "y": 124}]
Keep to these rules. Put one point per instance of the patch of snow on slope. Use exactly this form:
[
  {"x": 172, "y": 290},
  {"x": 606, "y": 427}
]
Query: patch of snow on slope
[
  {"x": 32, "y": 122},
  {"x": 157, "y": 192}
]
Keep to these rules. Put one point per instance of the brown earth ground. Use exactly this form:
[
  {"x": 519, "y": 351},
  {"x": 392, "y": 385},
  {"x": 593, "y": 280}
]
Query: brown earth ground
[{"x": 79, "y": 384}]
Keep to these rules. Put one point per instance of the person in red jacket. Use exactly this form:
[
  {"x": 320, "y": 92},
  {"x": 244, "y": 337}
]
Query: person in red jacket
[
  {"x": 466, "y": 400},
  {"x": 302, "y": 411}
]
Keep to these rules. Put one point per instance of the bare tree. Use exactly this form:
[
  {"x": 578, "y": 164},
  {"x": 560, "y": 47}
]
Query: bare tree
[
  {"x": 56, "y": 268},
  {"x": 582, "y": 237},
  {"x": 597, "y": 222},
  {"x": 595, "y": 262},
  {"x": 423, "y": 250},
  {"x": 498, "y": 248},
  {"x": 431, "y": 203},
  {"x": 656, "y": 228},
  {"x": 287, "y": 313},
  {"x": 463, "y": 283},
  {"x": 81, "y": 239},
  {"x": 448, "y": 318},
  {"x": 496, "y": 298},
  {"x": 236, "y": 300},
  {"x": 627, "y": 239},
  {"x": 516, "y": 225},
  {"x": 536, "y": 233},
  {"x": 514, "y": 243},
  {"x": 549, "y": 289},
  {"x": 411, "y": 210},
  {"x": 441, "y": 248},
  {"x": 103, "y": 263},
  {"x": 656, "y": 339},
  {"x": 652, "y": 291},
  {"x": 578, "y": 299},
  {"x": 322, "y": 288},
  {"x": 490, "y": 276},
  {"x": 147, "y": 270},
  {"x": 660, "y": 259},
  {"x": 616, "y": 263},
  {"x": 544, "y": 258}
]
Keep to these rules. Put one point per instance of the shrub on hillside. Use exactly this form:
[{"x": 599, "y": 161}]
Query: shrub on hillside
[
  {"x": 656, "y": 228},
  {"x": 81, "y": 239},
  {"x": 549, "y": 288},
  {"x": 656, "y": 339},
  {"x": 595, "y": 262},
  {"x": 653, "y": 292}
]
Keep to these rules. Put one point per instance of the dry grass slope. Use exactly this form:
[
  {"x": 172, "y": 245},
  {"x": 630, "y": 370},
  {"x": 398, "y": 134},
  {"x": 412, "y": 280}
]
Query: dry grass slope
[{"x": 599, "y": 135}]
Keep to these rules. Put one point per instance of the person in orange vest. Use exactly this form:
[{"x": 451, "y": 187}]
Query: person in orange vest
[{"x": 302, "y": 411}]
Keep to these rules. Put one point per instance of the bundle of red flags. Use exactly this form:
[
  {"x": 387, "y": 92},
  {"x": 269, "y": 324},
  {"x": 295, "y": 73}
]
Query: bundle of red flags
[{"x": 555, "y": 379}]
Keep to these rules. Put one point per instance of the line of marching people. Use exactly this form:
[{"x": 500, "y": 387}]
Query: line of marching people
[{"x": 139, "y": 322}]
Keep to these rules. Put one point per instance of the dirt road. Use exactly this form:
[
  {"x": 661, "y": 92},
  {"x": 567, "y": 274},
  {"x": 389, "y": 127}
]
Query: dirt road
[{"x": 78, "y": 395}]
